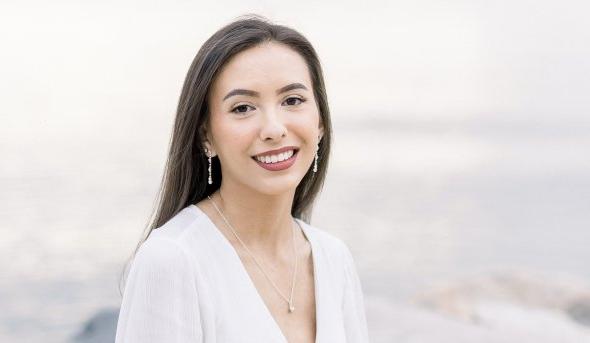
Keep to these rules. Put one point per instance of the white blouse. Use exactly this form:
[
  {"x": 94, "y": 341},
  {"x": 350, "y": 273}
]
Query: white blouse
[{"x": 188, "y": 284}]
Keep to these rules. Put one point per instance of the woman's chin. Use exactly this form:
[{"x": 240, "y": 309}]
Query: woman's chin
[{"x": 286, "y": 184}]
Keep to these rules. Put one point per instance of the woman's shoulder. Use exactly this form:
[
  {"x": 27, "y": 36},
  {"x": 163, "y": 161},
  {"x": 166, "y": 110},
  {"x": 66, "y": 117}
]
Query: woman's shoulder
[
  {"x": 177, "y": 225},
  {"x": 177, "y": 233},
  {"x": 330, "y": 244}
]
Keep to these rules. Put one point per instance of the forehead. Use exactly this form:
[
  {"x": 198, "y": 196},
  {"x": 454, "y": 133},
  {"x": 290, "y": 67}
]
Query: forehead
[{"x": 267, "y": 66}]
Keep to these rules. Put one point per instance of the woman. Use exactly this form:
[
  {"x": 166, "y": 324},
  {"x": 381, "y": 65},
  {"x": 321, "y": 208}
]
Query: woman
[{"x": 230, "y": 255}]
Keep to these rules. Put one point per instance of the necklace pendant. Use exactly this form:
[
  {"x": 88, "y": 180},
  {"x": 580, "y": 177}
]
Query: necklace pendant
[{"x": 291, "y": 307}]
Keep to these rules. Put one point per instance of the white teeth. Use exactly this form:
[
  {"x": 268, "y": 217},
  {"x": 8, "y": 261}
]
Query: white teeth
[{"x": 275, "y": 158}]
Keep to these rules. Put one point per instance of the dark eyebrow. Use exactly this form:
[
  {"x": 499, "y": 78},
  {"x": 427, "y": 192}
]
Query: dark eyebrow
[
  {"x": 291, "y": 87},
  {"x": 240, "y": 91}
]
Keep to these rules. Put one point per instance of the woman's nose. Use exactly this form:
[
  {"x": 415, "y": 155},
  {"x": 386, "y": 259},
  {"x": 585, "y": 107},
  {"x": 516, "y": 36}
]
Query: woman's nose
[{"x": 272, "y": 126}]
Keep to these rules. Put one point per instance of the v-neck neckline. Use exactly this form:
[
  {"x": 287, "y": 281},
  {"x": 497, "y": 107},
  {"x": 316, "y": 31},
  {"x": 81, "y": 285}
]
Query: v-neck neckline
[{"x": 237, "y": 258}]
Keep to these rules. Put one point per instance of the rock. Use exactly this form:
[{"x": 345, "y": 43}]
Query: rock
[
  {"x": 458, "y": 298},
  {"x": 101, "y": 328},
  {"x": 540, "y": 307},
  {"x": 579, "y": 310}
]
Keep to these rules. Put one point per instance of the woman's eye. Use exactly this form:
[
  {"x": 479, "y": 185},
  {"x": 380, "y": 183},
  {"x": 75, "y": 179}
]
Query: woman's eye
[
  {"x": 240, "y": 109},
  {"x": 292, "y": 101}
]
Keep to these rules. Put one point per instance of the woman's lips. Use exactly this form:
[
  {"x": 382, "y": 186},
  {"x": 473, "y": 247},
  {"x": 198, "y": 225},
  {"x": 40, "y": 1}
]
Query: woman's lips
[{"x": 282, "y": 165}]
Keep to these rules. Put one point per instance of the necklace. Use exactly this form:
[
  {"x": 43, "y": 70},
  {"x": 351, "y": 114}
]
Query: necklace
[{"x": 288, "y": 300}]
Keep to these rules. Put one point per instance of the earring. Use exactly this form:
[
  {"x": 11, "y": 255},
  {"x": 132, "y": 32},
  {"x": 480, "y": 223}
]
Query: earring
[
  {"x": 210, "y": 180},
  {"x": 315, "y": 163}
]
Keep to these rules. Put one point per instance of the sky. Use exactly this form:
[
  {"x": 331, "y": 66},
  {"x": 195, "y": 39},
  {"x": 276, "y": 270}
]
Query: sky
[{"x": 419, "y": 60}]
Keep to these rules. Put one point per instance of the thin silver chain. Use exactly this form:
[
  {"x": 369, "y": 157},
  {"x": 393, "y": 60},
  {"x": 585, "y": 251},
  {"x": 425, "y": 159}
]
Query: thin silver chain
[{"x": 288, "y": 300}]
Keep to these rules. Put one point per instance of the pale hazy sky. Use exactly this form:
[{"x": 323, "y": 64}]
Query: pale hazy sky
[{"x": 408, "y": 60}]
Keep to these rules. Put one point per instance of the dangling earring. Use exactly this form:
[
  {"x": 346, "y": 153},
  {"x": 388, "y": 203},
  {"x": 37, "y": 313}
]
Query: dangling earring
[
  {"x": 315, "y": 163},
  {"x": 210, "y": 180}
]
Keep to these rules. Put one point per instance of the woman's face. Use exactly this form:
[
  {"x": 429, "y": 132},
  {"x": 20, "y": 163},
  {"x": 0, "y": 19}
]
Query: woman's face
[{"x": 263, "y": 100}]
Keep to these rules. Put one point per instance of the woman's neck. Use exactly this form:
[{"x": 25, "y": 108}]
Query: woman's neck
[{"x": 263, "y": 222}]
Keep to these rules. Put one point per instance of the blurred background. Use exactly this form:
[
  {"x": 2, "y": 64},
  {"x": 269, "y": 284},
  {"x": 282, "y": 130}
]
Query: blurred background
[{"x": 460, "y": 174}]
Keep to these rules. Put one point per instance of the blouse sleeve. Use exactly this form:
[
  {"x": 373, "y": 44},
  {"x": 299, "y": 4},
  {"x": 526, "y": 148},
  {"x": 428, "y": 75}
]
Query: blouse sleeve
[
  {"x": 160, "y": 302},
  {"x": 353, "y": 307}
]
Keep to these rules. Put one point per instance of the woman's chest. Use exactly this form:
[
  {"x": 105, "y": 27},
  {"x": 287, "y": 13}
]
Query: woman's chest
[
  {"x": 298, "y": 325},
  {"x": 239, "y": 304}
]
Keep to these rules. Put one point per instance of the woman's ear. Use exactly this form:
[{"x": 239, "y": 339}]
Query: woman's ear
[
  {"x": 207, "y": 146},
  {"x": 209, "y": 150}
]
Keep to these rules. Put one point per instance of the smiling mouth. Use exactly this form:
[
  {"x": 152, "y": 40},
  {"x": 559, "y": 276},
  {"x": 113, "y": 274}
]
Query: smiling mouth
[{"x": 276, "y": 158}]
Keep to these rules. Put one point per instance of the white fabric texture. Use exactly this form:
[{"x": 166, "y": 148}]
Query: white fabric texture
[{"x": 188, "y": 284}]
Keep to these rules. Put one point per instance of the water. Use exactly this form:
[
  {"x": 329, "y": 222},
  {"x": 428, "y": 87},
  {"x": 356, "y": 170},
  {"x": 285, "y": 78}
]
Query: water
[{"x": 417, "y": 203}]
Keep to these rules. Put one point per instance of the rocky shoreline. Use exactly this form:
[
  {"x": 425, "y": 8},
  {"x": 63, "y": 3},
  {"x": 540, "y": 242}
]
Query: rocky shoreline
[{"x": 509, "y": 306}]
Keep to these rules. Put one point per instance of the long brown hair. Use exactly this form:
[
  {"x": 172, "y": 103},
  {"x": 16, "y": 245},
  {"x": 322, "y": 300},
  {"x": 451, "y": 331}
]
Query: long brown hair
[{"x": 184, "y": 181}]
